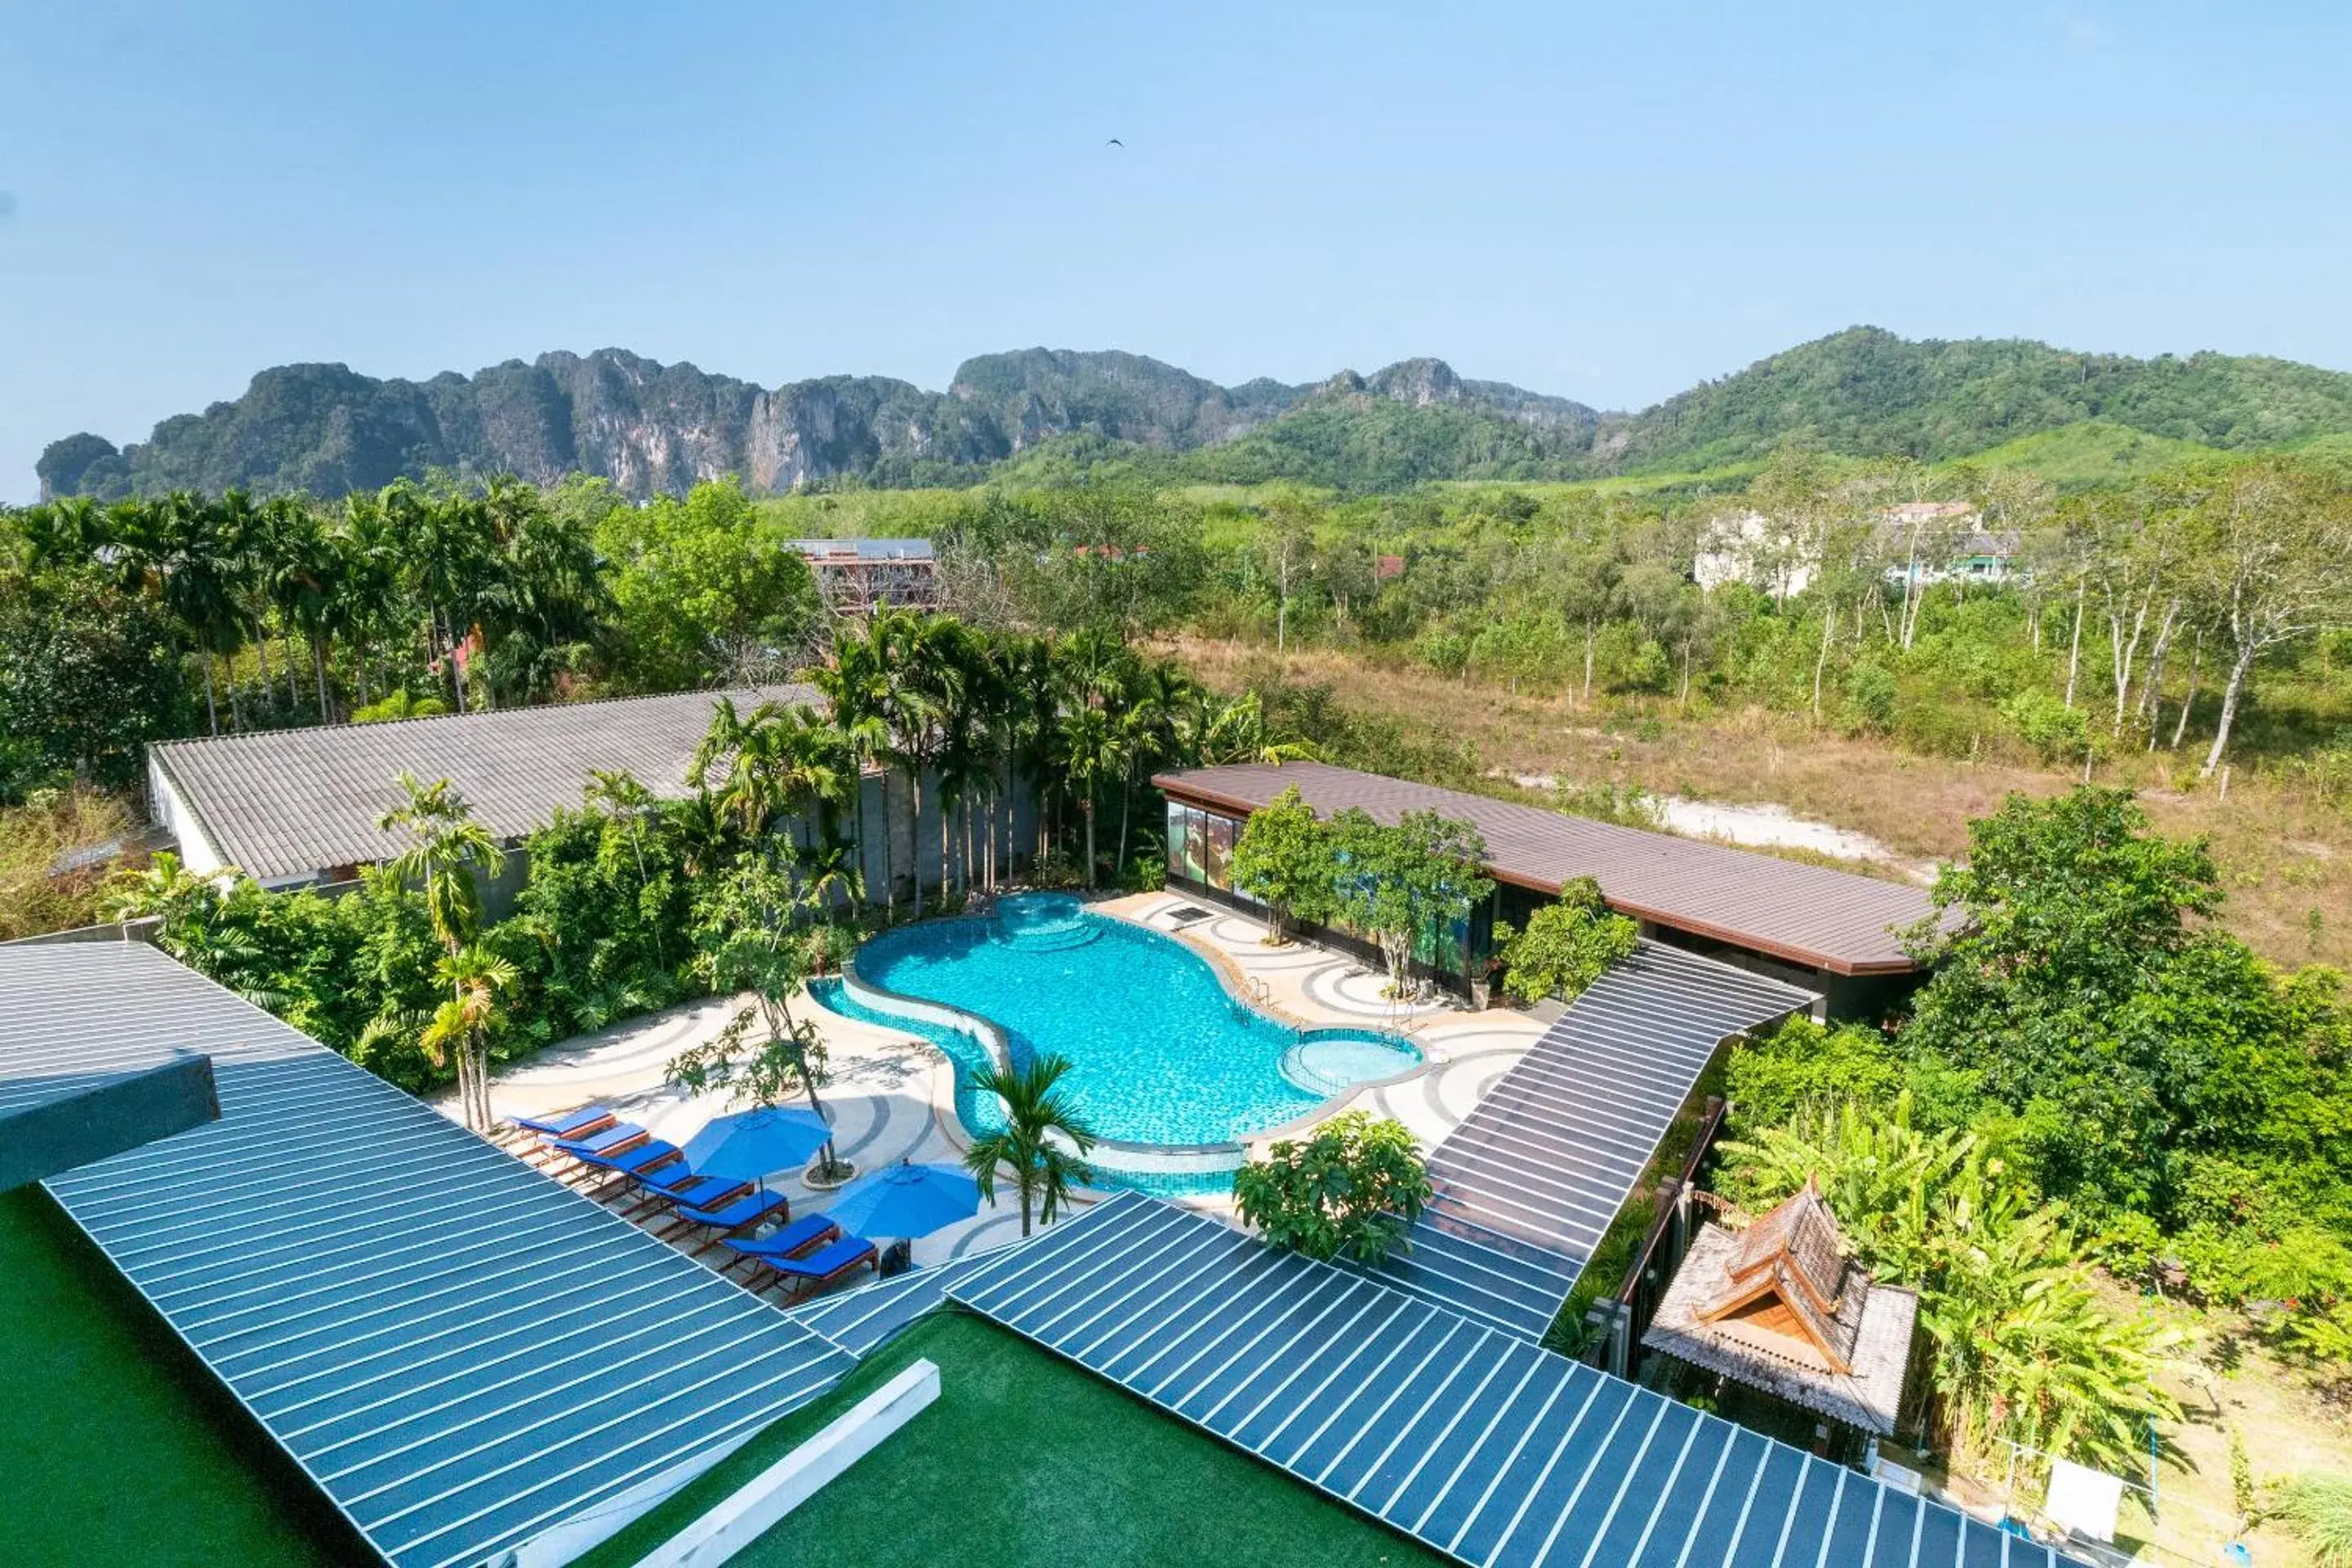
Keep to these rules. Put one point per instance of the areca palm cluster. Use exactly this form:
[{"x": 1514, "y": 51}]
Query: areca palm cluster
[
  {"x": 483, "y": 597},
  {"x": 958, "y": 722}
]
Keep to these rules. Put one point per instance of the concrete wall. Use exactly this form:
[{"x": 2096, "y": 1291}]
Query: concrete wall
[{"x": 172, "y": 814}]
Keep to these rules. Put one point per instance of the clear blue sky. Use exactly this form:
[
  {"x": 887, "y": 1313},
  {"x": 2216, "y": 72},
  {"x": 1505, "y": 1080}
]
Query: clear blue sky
[{"x": 1604, "y": 203}]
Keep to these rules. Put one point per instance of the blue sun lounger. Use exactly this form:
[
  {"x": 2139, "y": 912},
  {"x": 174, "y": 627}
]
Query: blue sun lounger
[
  {"x": 647, "y": 1155},
  {"x": 678, "y": 1183},
  {"x": 577, "y": 1123},
  {"x": 798, "y": 1237},
  {"x": 729, "y": 1218},
  {"x": 824, "y": 1267},
  {"x": 616, "y": 1139}
]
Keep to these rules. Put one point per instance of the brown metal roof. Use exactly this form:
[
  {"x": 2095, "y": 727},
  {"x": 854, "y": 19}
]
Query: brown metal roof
[
  {"x": 1811, "y": 915},
  {"x": 289, "y": 803}
]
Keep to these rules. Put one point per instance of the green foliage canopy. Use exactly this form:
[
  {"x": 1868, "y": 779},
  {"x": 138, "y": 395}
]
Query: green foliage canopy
[
  {"x": 1286, "y": 859},
  {"x": 1567, "y": 944},
  {"x": 1352, "y": 1189}
]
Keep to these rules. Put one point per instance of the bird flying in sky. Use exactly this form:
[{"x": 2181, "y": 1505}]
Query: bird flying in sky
[{"x": 1114, "y": 142}]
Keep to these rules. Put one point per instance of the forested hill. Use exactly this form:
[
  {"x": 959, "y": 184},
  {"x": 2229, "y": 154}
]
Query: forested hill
[
  {"x": 1867, "y": 392},
  {"x": 1047, "y": 416}
]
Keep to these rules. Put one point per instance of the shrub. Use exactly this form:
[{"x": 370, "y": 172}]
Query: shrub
[
  {"x": 1351, "y": 1190},
  {"x": 1627, "y": 805},
  {"x": 1870, "y": 693},
  {"x": 1803, "y": 1064},
  {"x": 2054, "y": 731},
  {"x": 1567, "y": 946},
  {"x": 2318, "y": 1509}
]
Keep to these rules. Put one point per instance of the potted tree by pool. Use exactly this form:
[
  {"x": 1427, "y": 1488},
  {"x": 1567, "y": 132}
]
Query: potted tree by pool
[
  {"x": 753, "y": 941},
  {"x": 1283, "y": 859},
  {"x": 1398, "y": 883}
]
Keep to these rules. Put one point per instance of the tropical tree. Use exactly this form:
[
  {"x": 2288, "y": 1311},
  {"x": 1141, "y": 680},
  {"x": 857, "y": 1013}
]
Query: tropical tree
[
  {"x": 447, "y": 851},
  {"x": 1352, "y": 1189},
  {"x": 1408, "y": 884},
  {"x": 747, "y": 930},
  {"x": 1567, "y": 945},
  {"x": 478, "y": 979},
  {"x": 1287, "y": 860},
  {"x": 1043, "y": 1139}
]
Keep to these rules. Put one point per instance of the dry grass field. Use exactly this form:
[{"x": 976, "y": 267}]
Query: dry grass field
[{"x": 2285, "y": 857}]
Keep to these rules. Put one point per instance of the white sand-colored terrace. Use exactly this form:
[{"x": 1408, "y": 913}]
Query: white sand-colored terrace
[{"x": 891, "y": 1096}]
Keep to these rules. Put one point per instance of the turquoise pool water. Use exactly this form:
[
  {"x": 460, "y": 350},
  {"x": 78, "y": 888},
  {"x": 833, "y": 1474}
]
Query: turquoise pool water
[{"x": 1160, "y": 1052}]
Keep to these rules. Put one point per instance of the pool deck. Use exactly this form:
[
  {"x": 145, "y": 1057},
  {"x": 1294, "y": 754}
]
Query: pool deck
[{"x": 892, "y": 1093}]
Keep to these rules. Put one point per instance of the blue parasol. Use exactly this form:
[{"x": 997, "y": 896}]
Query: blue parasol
[
  {"x": 752, "y": 1145},
  {"x": 904, "y": 1200}
]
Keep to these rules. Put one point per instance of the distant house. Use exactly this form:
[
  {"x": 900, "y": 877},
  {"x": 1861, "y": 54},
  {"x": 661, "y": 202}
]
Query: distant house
[
  {"x": 1782, "y": 1309},
  {"x": 856, "y": 576},
  {"x": 1747, "y": 547},
  {"x": 1387, "y": 568}
]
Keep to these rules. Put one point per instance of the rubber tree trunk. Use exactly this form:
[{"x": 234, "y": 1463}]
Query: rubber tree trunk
[
  {"x": 2074, "y": 648},
  {"x": 2239, "y": 668},
  {"x": 1821, "y": 661},
  {"x": 2196, "y": 667}
]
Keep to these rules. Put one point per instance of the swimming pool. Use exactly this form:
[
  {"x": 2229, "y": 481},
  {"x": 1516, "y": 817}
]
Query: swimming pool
[{"x": 1160, "y": 1052}]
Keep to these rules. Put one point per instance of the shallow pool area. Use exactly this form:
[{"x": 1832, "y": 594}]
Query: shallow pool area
[{"x": 1160, "y": 1052}]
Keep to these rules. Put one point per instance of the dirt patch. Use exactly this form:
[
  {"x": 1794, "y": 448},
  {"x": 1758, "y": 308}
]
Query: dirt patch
[{"x": 2290, "y": 903}]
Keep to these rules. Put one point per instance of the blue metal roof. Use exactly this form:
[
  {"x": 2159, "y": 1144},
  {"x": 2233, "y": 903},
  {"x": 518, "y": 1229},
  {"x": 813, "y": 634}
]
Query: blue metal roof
[
  {"x": 1467, "y": 1437},
  {"x": 1525, "y": 1187},
  {"x": 459, "y": 1350}
]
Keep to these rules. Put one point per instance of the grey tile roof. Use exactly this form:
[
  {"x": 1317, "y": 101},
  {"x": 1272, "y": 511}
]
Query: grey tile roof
[
  {"x": 1874, "y": 1327},
  {"x": 286, "y": 802},
  {"x": 461, "y": 1351},
  {"x": 1829, "y": 919}
]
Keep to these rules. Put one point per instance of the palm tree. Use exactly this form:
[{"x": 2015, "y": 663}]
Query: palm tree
[
  {"x": 782, "y": 760},
  {"x": 856, "y": 687},
  {"x": 297, "y": 580},
  {"x": 1157, "y": 699},
  {"x": 173, "y": 548},
  {"x": 446, "y": 848},
  {"x": 1090, "y": 748},
  {"x": 938, "y": 657},
  {"x": 363, "y": 602},
  {"x": 1031, "y": 736},
  {"x": 1043, "y": 1139},
  {"x": 478, "y": 979}
]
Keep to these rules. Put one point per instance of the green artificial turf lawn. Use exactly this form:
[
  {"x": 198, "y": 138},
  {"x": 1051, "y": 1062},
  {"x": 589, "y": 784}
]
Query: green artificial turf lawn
[
  {"x": 1025, "y": 1459},
  {"x": 115, "y": 1445}
]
